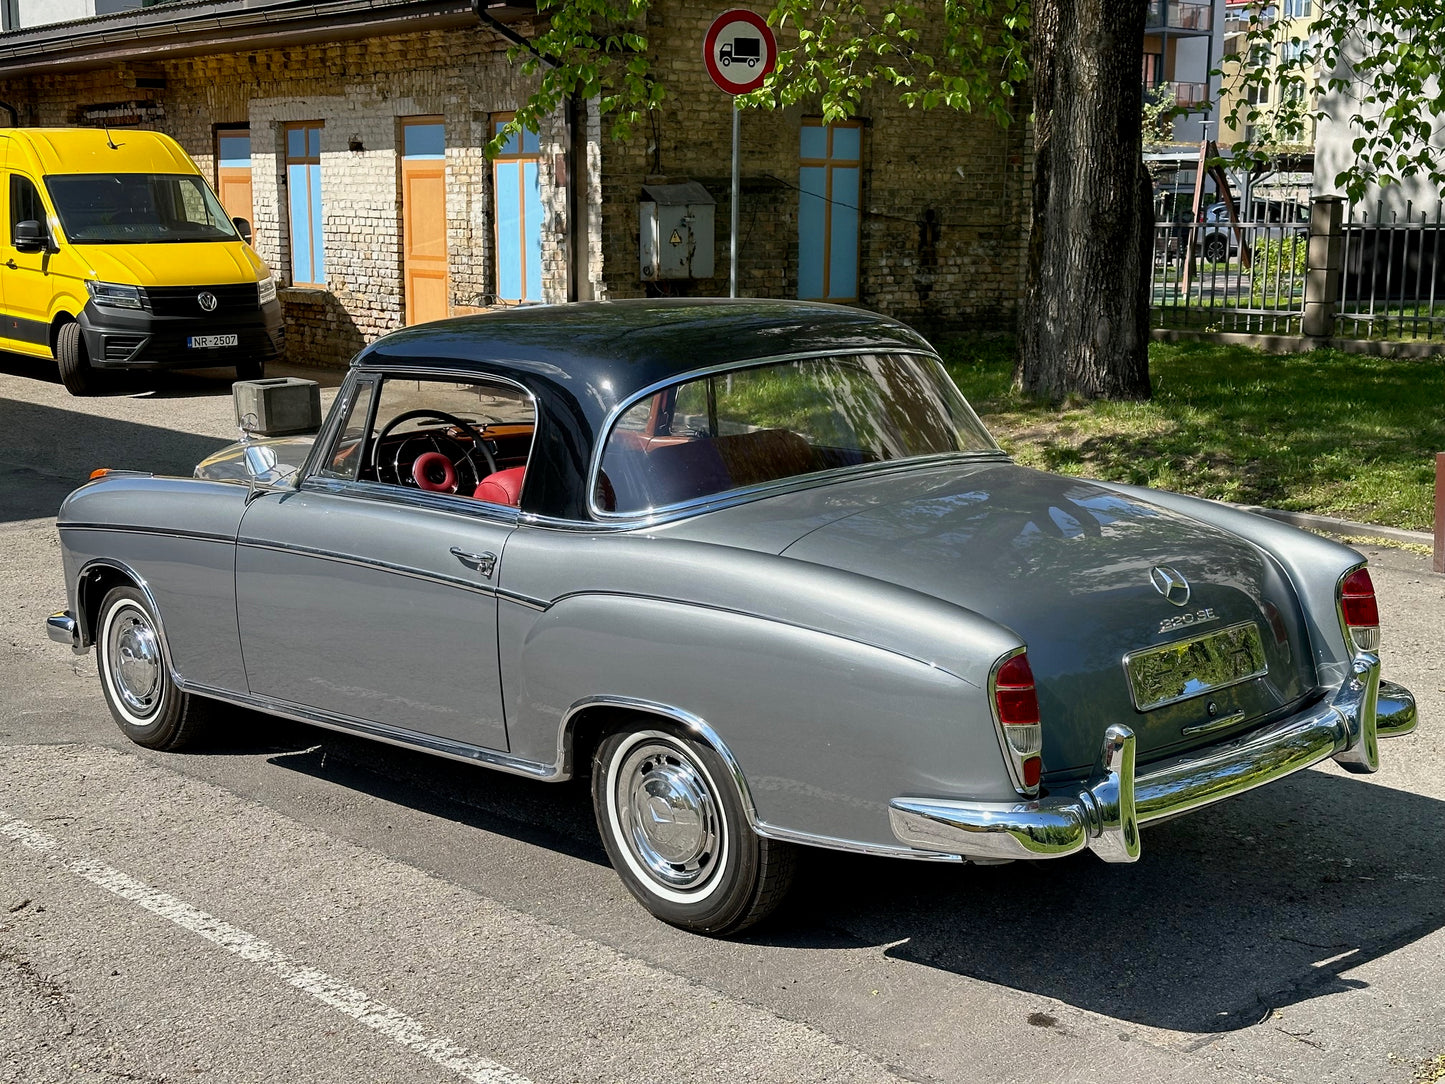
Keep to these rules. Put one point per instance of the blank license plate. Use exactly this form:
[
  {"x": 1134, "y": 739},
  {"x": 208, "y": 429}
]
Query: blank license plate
[
  {"x": 210, "y": 342},
  {"x": 1187, "y": 668}
]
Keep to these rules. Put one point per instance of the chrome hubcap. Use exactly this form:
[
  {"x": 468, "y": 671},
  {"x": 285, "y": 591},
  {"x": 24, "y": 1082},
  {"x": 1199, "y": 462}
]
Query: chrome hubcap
[
  {"x": 135, "y": 662},
  {"x": 669, "y": 815}
]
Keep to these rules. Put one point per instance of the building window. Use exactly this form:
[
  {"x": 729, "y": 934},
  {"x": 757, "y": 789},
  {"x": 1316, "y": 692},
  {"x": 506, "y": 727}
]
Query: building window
[
  {"x": 829, "y": 180},
  {"x": 233, "y": 172},
  {"x": 303, "y": 194},
  {"x": 1294, "y": 9},
  {"x": 519, "y": 216}
]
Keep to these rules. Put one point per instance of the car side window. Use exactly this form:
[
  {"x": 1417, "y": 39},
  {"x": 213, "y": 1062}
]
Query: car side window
[
  {"x": 471, "y": 438},
  {"x": 25, "y": 203},
  {"x": 344, "y": 459}
]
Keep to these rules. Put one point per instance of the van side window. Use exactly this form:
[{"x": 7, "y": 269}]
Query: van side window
[{"x": 25, "y": 205}]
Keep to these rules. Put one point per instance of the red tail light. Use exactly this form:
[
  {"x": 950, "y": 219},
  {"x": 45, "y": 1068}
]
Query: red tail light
[
  {"x": 1359, "y": 611},
  {"x": 1017, "y": 703}
]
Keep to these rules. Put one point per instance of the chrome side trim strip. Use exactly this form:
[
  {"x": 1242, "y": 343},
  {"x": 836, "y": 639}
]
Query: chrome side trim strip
[
  {"x": 200, "y": 536},
  {"x": 367, "y": 563},
  {"x": 392, "y": 735},
  {"x": 852, "y": 846},
  {"x": 538, "y": 604}
]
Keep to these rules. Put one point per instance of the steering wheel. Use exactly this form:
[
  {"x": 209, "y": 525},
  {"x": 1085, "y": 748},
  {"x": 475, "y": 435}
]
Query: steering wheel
[{"x": 443, "y": 450}]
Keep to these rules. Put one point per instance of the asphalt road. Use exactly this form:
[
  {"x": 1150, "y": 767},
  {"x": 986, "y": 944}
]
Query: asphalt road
[{"x": 293, "y": 905}]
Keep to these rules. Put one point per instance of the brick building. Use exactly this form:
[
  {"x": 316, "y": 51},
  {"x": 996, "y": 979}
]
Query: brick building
[{"x": 353, "y": 139}]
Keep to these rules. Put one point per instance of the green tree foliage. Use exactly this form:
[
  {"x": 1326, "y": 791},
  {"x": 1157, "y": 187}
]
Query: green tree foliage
[{"x": 1378, "y": 65}]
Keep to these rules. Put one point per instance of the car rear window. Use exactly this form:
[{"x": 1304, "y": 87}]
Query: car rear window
[{"x": 754, "y": 425}]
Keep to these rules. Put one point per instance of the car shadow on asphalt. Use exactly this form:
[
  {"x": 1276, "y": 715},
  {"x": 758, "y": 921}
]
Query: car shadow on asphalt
[
  {"x": 49, "y": 451},
  {"x": 1268, "y": 900},
  {"x": 161, "y": 383},
  {"x": 557, "y": 817}
]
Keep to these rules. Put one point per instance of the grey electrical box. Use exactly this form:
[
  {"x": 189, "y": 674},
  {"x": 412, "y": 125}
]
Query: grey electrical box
[
  {"x": 677, "y": 231},
  {"x": 280, "y": 405}
]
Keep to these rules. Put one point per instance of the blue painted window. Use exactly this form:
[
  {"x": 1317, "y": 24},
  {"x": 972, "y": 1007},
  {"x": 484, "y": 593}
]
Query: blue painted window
[
  {"x": 519, "y": 216},
  {"x": 233, "y": 151},
  {"x": 829, "y": 180},
  {"x": 423, "y": 140},
  {"x": 303, "y": 194}
]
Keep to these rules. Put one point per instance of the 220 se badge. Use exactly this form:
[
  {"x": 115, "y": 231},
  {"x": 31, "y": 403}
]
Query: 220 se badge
[{"x": 758, "y": 571}]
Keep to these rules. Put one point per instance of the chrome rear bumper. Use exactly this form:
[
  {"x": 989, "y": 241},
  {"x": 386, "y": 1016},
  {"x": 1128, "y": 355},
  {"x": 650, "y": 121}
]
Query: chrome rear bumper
[{"x": 1105, "y": 816}]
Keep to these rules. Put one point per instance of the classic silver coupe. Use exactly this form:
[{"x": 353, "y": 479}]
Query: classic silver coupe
[{"x": 757, "y": 568}]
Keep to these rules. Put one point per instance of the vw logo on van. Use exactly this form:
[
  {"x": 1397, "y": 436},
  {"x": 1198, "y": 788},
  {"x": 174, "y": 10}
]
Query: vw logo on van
[{"x": 207, "y": 301}]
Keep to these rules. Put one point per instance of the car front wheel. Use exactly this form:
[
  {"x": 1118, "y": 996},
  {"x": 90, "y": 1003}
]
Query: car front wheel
[
  {"x": 673, "y": 823},
  {"x": 134, "y": 677},
  {"x": 73, "y": 361}
]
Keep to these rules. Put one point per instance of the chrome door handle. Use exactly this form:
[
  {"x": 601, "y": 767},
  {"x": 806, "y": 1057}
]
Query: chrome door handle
[{"x": 481, "y": 562}]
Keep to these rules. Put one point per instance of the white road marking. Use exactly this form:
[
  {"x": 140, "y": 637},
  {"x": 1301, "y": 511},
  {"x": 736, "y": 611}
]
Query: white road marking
[{"x": 357, "y": 1004}]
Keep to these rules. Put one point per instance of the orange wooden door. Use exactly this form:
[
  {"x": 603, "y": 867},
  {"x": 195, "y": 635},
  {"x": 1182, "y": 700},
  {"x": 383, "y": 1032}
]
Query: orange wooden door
[{"x": 424, "y": 221}]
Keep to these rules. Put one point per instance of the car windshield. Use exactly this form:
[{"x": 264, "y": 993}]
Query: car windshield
[
  {"x": 765, "y": 423},
  {"x": 138, "y": 208}
]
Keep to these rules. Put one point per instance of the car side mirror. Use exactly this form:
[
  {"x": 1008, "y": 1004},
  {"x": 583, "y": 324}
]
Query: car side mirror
[
  {"x": 30, "y": 236},
  {"x": 243, "y": 227}
]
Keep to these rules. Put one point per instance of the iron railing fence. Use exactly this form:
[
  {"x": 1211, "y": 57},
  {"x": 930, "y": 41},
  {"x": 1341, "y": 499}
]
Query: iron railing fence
[
  {"x": 1247, "y": 277},
  {"x": 1393, "y": 277}
]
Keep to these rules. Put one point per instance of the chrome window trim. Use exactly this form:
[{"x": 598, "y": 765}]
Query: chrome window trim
[
  {"x": 654, "y": 515},
  {"x": 468, "y": 508},
  {"x": 378, "y": 375},
  {"x": 329, "y": 433}
]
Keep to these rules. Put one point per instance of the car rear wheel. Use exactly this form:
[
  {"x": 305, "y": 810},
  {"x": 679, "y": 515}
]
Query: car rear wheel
[
  {"x": 1216, "y": 249},
  {"x": 674, "y": 826},
  {"x": 73, "y": 361},
  {"x": 134, "y": 677}
]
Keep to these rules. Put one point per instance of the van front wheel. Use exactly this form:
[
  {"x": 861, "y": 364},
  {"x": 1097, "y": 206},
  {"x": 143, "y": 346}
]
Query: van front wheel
[
  {"x": 70, "y": 355},
  {"x": 251, "y": 369}
]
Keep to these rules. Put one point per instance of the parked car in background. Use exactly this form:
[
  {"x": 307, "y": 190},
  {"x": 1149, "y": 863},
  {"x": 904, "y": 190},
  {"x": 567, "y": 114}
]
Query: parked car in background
[
  {"x": 118, "y": 255},
  {"x": 1218, "y": 240},
  {"x": 757, "y": 569}
]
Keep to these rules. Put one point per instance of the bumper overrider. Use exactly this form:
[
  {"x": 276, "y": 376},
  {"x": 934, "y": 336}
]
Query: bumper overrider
[{"x": 1105, "y": 815}]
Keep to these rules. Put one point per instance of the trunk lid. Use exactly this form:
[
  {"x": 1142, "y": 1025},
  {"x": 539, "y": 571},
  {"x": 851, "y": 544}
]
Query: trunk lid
[{"x": 1070, "y": 567}]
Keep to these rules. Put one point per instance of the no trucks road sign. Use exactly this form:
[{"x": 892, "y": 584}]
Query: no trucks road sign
[{"x": 739, "y": 50}]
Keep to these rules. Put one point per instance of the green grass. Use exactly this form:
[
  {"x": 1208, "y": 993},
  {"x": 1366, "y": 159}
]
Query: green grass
[{"x": 1335, "y": 434}]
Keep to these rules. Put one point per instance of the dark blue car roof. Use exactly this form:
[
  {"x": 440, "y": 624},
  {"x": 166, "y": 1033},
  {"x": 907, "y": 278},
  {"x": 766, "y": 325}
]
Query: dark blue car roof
[{"x": 583, "y": 360}]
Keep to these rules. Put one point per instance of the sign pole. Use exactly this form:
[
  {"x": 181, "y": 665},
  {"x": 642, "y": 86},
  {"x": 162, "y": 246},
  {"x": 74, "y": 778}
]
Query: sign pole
[
  {"x": 738, "y": 50},
  {"x": 733, "y": 276}
]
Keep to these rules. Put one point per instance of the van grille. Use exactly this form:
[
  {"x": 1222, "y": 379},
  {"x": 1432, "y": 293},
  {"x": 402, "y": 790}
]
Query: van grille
[{"x": 231, "y": 299}]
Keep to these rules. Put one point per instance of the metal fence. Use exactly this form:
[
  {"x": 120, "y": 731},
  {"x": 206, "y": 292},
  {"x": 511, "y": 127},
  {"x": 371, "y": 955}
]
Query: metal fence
[
  {"x": 1247, "y": 275},
  {"x": 1393, "y": 280},
  {"x": 1250, "y": 276}
]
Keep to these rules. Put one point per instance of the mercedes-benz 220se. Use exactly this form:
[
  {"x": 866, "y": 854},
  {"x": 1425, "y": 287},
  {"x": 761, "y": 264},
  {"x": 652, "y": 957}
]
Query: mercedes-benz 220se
[{"x": 757, "y": 569}]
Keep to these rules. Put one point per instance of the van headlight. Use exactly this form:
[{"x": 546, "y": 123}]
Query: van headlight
[
  {"x": 117, "y": 295},
  {"x": 266, "y": 288}
]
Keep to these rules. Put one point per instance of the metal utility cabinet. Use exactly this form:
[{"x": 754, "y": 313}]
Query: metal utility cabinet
[{"x": 676, "y": 232}]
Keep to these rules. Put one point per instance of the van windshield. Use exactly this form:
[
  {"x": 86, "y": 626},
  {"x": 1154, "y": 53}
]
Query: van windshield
[{"x": 137, "y": 208}]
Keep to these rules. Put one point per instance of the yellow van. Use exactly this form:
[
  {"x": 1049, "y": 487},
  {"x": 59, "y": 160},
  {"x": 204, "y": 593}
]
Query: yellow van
[{"x": 117, "y": 255}]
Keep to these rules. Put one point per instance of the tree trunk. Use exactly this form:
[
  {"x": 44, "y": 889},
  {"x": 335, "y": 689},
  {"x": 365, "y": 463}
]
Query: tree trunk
[{"x": 1085, "y": 321}]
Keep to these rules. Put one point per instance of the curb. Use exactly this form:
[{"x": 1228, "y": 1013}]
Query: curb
[{"x": 1329, "y": 525}]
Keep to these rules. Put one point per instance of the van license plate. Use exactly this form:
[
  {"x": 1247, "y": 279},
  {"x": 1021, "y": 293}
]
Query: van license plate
[{"x": 210, "y": 342}]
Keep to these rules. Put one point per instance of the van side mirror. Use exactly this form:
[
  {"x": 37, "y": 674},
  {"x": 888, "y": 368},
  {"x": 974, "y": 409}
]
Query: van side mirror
[
  {"x": 243, "y": 228},
  {"x": 30, "y": 236}
]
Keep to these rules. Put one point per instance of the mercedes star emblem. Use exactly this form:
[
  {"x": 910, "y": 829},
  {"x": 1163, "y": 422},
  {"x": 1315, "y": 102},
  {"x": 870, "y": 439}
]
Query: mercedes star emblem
[{"x": 1171, "y": 584}]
